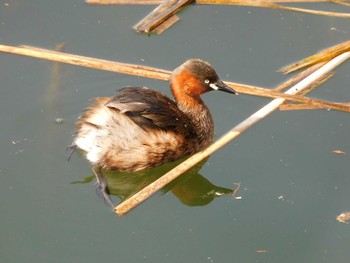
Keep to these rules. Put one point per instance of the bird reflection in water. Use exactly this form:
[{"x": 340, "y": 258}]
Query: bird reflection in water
[{"x": 191, "y": 188}]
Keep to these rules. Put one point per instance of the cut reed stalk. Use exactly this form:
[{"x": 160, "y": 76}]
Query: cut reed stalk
[
  {"x": 166, "y": 24},
  {"x": 322, "y": 56},
  {"x": 101, "y": 64},
  {"x": 160, "y": 14}
]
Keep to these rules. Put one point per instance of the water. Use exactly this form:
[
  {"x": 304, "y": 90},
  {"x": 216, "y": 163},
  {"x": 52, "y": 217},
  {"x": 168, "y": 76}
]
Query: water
[{"x": 292, "y": 185}]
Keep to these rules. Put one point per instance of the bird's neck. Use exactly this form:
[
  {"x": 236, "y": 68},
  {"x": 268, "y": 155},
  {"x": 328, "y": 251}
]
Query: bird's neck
[{"x": 200, "y": 117}]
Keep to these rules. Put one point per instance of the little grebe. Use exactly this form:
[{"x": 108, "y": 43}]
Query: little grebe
[{"x": 141, "y": 128}]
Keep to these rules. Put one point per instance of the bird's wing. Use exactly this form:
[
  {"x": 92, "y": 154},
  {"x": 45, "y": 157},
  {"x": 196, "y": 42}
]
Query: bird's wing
[{"x": 150, "y": 109}]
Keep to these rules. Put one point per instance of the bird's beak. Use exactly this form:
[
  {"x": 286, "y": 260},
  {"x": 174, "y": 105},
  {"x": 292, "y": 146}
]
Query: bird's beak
[{"x": 221, "y": 86}]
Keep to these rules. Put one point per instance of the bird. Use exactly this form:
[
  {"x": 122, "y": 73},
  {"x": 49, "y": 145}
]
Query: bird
[{"x": 141, "y": 128}]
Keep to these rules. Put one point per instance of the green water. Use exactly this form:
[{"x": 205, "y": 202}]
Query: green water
[{"x": 292, "y": 185}]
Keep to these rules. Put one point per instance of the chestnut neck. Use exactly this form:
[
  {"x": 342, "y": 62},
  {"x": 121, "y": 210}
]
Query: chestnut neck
[{"x": 187, "y": 90}]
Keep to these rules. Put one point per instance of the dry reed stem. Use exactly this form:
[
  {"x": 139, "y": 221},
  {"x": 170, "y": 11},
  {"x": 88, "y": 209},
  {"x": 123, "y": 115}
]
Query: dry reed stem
[
  {"x": 261, "y": 3},
  {"x": 150, "y": 72},
  {"x": 298, "y": 77},
  {"x": 149, "y": 190},
  {"x": 157, "y": 2},
  {"x": 272, "y": 4},
  {"x": 160, "y": 14},
  {"x": 324, "y": 55},
  {"x": 294, "y": 107},
  {"x": 292, "y": 81},
  {"x": 340, "y": 2},
  {"x": 166, "y": 24},
  {"x": 310, "y": 11},
  {"x": 124, "y": 2},
  {"x": 240, "y": 88},
  {"x": 95, "y": 63},
  {"x": 288, "y": 105}
]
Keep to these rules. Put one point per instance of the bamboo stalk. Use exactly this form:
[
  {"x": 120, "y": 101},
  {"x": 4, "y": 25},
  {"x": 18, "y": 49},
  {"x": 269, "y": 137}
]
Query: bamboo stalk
[
  {"x": 149, "y": 190},
  {"x": 155, "y": 73}
]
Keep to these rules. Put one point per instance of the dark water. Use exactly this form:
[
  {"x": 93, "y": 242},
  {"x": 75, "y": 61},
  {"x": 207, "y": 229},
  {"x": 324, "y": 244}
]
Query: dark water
[{"x": 292, "y": 185}]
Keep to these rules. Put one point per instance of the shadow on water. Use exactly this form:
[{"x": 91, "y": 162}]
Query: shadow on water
[{"x": 191, "y": 188}]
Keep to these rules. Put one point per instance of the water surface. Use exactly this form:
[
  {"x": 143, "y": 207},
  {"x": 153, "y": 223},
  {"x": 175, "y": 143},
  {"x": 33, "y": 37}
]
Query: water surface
[{"x": 292, "y": 185}]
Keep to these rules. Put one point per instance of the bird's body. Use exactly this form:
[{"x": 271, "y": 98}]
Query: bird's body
[
  {"x": 141, "y": 128},
  {"x": 138, "y": 129}
]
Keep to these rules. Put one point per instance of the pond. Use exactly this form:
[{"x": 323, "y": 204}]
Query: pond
[{"x": 292, "y": 183}]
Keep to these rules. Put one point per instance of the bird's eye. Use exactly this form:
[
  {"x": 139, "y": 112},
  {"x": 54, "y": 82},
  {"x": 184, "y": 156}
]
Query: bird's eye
[{"x": 206, "y": 81}]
